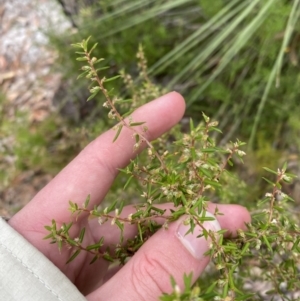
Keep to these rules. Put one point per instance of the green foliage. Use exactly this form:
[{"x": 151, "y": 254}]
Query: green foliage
[
  {"x": 235, "y": 60},
  {"x": 43, "y": 147},
  {"x": 188, "y": 172}
]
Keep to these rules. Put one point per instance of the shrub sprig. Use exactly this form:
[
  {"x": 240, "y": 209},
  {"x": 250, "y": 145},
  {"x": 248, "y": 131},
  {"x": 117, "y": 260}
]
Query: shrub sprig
[{"x": 187, "y": 173}]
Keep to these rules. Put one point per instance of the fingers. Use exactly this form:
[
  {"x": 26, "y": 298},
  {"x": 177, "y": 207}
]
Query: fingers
[
  {"x": 227, "y": 221},
  {"x": 232, "y": 218},
  {"x": 111, "y": 233},
  {"x": 94, "y": 169},
  {"x": 169, "y": 252}
]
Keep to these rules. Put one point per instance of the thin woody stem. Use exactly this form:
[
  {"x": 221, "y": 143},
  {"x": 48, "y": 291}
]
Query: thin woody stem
[{"x": 115, "y": 111}]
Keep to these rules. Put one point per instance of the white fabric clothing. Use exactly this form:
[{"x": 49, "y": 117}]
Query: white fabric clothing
[{"x": 27, "y": 275}]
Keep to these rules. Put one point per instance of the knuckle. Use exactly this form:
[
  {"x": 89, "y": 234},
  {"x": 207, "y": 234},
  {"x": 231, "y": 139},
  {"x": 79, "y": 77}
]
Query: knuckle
[{"x": 150, "y": 275}]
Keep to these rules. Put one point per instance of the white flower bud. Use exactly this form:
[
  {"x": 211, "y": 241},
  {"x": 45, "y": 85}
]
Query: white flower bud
[
  {"x": 241, "y": 153},
  {"x": 177, "y": 290}
]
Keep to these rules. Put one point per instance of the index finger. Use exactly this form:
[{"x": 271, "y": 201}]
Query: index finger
[{"x": 95, "y": 168}]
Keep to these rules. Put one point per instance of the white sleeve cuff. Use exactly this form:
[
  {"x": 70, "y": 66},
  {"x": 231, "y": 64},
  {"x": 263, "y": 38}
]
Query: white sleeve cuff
[{"x": 26, "y": 274}]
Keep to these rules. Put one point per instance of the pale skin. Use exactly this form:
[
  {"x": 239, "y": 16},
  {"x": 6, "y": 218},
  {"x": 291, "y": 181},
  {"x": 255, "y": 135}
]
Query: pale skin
[{"x": 147, "y": 275}]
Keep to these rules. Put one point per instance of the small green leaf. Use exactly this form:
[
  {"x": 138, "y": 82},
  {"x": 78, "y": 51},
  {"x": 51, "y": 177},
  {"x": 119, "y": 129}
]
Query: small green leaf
[
  {"x": 205, "y": 172},
  {"x": 127, "y": 182},
  {"x": 107, "y": 257},
  {"x": 160, "y": 211},
  {"x": 94, "y": 46},
  {"x": 140, "y": 232},
  {"x": 137, "y": 123},
  {"x": 271, "y": 183},
  {"x": 83, "y": 74},
  {"x": 284, "y": 166},
  {"x": 100, "y": 60},
  {"x": 92, "y": 247},
  {"x": 211, "y": 287},
  {"x": 187, "y": 279},
  {"x": 193, "y": 153},
  {"x": 68, "y": 226},
  {"x": 112, "y": 206},
  {"x": 48, "y": 236},
  {"x": 123, "y": 101},
  {"x": 267, "y": 243},
  {"x": 206, "y": 118},
  {"x": 191, "y": 125},
  {"x": 92, "y": 96},
  {"x": 122, "y": 203},
  {"x": 102, "y": 68},
  {"x": 77, "y": 45},
  {"x": 48, "y": 228},
  {"x": 206, "y": 218},
  {"x": 270, "y": 170},
  {"x": 212, "y": 150},
  {"x": 215, "y": 129},
  {"x": 120, "y": 225},
  {"x": 118, "y": 132},
  {"x": 173, "y": 282},
  {"x": 76, "y": 253},
  {"x": 264, "y": 200},
  {"x": 225, "y": 290},
  {"x": 59, "y": 243},
  {"x": 212, "y": 183},
  {"x": 72, "y": 242},
  {"x": 54, "y": 225},
  {"x": 95, "y": 258},
  {"x": 85, "y": 43},
  {"x": 127, "y": 113},
  {"x": 111, "y": 78},
  {"x": 137, "y": 139},
  {"x": 295, "y": 245},
  {"x": 82, "y": 59},
  {"x": 96, "y": 246},
  {"x": 87, "y": 201},
  {"x": 81, "y": 235}
]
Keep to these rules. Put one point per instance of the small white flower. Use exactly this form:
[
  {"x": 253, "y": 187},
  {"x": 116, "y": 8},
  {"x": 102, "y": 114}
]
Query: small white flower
[
  {"x": 280, "y": 195},
  {"x": 241, "y": 153},
  {"x": 177, "y": 290},
  {"x": 144, "y": 194},
  {"x": 214, "y": 123},
  {"x": 111, "y": 114},
  {"x": 165, "y": 226},
  {"x": 136, "y": 146},
  {"x": 106, "y": 104}
]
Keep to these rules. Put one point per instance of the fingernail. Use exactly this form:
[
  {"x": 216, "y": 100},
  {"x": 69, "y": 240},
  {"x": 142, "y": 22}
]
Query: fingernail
[{"x": 197, "y": 246}]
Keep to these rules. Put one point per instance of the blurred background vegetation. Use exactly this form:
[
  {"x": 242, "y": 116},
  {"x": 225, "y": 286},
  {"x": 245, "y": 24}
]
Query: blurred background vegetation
[{"x": 237, "y": 61}]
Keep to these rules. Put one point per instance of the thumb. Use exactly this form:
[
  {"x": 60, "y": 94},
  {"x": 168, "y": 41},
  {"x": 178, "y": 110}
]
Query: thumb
[{"x": 167, "y": 253}]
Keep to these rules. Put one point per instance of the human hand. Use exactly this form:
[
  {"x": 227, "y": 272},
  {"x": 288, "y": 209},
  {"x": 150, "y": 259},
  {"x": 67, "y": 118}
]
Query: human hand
[{"x": 166, "y": 253}]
